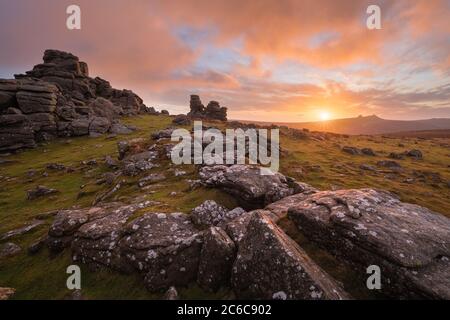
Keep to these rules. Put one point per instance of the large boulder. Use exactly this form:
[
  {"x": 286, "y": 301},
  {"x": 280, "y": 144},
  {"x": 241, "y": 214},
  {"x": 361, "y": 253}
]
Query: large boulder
[
  {"x": 249, "y": 186},
  {"x": 216, "y": 259},
  {"x": 164, "y": 247},
  {"x": 410, "y": 244},
  {"x": 96, "y": 242},
  {"x": 270, "y": 265},
  {"x": 68, "y": 222},
  {"x": 58, "y": 98}
]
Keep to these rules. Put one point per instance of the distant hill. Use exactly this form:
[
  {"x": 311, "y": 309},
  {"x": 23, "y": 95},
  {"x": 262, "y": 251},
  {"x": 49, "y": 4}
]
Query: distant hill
[{"x": 371, "y": 125}]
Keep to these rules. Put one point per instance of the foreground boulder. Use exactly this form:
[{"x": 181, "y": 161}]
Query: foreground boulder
[
  {"x": 270, "y": 265},
  {"x": 68, "y": 222},
  {"x": 216, "y": 260},
  {"x": 249, "y": 186},
  {"x": 164, "y": 247},
  {"x": 366, "y": 227},
  {"x": 96, "y": 242}
]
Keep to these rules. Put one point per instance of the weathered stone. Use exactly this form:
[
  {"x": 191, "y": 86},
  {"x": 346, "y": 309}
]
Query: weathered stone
[
  {"x": 209, "y": 213},
  {"x": 20, "y": 231},
  {"x": 99, "y": 125},
  {"x": 60, "y": 99},
  {"x": 270, "y": 265},
  {"x": 55, "y": 166},
  {"x": 171, "y": 294},
  {"x": 165, "y": 247},
  {"x": 366, "y": 227},
  {"x": 80, "y": 127},
  {"x": 151, "y": 178},
  {"x": 351, "y": 150},
  {"x": 39, "y": 192},
  {"x": 163, "y": 134},
  {"x": 120, "y": 128},
  {"x": 368, "y": 152},
  {"x": 367, "y": 167},
  {"x": 6, "y": 293},
  {"x": 181, "y": 120},
  {"x": 96, "y": 241},
  {"x": 36, "y": 246},
  {"x": 249, "y": 186},
  {"x": 216, "y": 260},
  {"x": 389, "y": 164},
  {"x": 415, "y": 153},
  {"x": 212, "y": 111},
  {"x": 9, "y": 249}
]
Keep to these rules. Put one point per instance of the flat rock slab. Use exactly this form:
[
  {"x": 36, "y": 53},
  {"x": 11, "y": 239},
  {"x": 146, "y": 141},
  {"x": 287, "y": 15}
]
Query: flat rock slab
[
  {"x": 410, "y": 244},
  {"x": 270, "y": 265},
  {"x": 22, "y": 230}
]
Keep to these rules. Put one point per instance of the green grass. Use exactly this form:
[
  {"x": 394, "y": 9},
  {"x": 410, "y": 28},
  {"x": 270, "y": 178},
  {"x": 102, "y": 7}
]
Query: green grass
[{"x": 40, "y": 276}]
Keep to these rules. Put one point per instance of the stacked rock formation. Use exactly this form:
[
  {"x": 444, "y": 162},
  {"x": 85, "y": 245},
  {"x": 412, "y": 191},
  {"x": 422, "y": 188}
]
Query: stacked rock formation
[
  {"x": 58, "y": 98},
  {"x": 212, "y": 111}
]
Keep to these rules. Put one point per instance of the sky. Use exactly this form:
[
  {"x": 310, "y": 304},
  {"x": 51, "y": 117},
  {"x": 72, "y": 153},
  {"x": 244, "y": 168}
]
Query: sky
[{"x": 265, "y": 60}]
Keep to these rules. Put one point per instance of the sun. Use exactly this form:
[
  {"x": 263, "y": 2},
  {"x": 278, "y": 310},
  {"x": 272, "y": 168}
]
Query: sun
[{"x": 324, "y": 115}]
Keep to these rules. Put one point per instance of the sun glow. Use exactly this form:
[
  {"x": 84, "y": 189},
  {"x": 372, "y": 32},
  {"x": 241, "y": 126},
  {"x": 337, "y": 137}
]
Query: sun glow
[{"x": 324, "y": 115}]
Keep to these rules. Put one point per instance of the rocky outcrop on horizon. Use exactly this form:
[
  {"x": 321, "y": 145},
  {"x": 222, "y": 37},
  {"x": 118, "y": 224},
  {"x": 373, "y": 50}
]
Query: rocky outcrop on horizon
[
  {"x": 59, "y": 99},
  {"x": 213, "y": 110}
]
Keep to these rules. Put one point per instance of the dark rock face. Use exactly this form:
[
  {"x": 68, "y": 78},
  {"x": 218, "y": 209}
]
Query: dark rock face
[
  {"x": 216, "y": 259},
  {"x": 39, "y": 192},
  {"x": 96, "y": 242},
  {"x": 163, "y": 134},
  {"x": 181, "y": 120},
  {"x": 212, "y": 111},
  {"x": 415, "y": 153},
  {"x": 67, "y": 222},
  {"x": 58, "y": 98},
  {"x": 263, "y": 251},
  {"x": 368, "y": 152},
  {"x": 389, "y": 164},
  {"x": 9, "y": 249},
  {"x": 409, "y": 243},
  {"x": 397, "y": 156},
  {"x": 351, "y": 150},
  {"x": 252, "y": 189},
  {"x": 164, "y": 247},
  {"x": 209, "y": 213}
]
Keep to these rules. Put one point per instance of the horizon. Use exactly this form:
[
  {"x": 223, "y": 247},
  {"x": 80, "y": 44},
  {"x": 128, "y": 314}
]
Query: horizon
[{"x": 325, "y": 65}]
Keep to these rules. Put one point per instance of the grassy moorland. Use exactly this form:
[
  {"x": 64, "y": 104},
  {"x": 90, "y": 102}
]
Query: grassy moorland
[{"x": 320, "y": 163}]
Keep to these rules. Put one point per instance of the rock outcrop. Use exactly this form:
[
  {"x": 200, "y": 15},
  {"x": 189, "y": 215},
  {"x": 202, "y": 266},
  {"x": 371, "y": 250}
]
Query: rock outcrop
[
  {"x": 164, "y": 247},
  {"x": 253, "y": 190},
  {"x": 58, "y": 98},
  {"x": 265, "y": 250},
  {"x": 366, "y": 227},
  {"x": 213, "y": 110}
]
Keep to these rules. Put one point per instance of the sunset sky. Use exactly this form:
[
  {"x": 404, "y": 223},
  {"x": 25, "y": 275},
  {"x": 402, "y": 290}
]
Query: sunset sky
[{"x": 270, "y": 60}]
